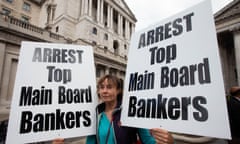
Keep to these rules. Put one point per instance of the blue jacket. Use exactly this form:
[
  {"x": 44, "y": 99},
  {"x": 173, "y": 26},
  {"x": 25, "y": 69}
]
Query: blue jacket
[{"x": 122, "y": 134}]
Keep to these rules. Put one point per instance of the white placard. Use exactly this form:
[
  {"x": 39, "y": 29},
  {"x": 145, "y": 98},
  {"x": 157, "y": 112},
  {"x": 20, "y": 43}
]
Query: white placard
[
  {"x": 174, "y": 76},
  {"x": 54, "y": 94}
]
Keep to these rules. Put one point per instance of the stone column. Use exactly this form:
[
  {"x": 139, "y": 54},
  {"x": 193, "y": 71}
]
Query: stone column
[
  {"x": 90, "y": 8},
  {"x": 80, "y": 8},
  {"x": 101, "y": 11},
  {"x": 236, "y": 38},
  {"x": 107, "y": 70},
  {"x": 130, "y": 29},
  {"x": 85, "y": 7},
  {"x": 50, "y": 10},
  {"x": 127, "y": 28},
  {"x": 133, "y": 28},
  {"x": 119, "y": 23},
  {"x": 98, "y": 10},
  {"x": 111, "y": 18},
  {"x": 2, "y": 53},
  {"x": 53, "y": 11},
  {"x": 108, "y": 16}
]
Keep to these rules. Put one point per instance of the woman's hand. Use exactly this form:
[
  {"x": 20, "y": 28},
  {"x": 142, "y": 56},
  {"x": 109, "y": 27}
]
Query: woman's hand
[
  {"x": 162, "y": 136},
  {"x": 58, "y": 141}
]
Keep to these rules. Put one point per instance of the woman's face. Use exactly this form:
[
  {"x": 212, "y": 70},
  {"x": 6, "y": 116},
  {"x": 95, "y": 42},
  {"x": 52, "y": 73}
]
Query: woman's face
[{"x": 108, "y": 91}]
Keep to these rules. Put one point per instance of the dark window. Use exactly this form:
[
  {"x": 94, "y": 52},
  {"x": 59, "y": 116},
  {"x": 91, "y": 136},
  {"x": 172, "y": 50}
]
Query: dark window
[
  {"x": 26, "y": 7},
  {"x": 57, "y": 29},
  {"x": 25, "y": 19},
  {"x": 94, "y": 31},
  {"x": 116, "y": 47},
  {"x": 98, "y": 72},
  {"x": 6, "y": 11},
  {"x": 105, "y": 49},
  {"x": 3, "y": 131},
  {"x": 94, "y": 43},
  {"x": 105, "y": 36}
]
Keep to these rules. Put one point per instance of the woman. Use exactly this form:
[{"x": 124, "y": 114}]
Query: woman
[{"x": 109, "y": 129}]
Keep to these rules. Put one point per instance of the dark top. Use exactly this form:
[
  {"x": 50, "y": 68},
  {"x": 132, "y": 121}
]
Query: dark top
[{"x": 234, "y": 116}]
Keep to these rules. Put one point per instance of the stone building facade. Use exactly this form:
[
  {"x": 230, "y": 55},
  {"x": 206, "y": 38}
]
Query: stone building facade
[
  {"x": 107, "y": 25},
  {"x": 227, "y": 22}
]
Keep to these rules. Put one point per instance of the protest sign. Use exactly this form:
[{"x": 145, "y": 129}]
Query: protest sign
[
  {"x": 174, "y": 77},
  {"x": 54, "y": 94}
]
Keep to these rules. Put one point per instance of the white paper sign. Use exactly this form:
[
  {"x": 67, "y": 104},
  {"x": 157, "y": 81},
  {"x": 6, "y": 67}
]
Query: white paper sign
[
  {"x": 54, "y": 93},
  {"x": 174, "y": 77}
]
